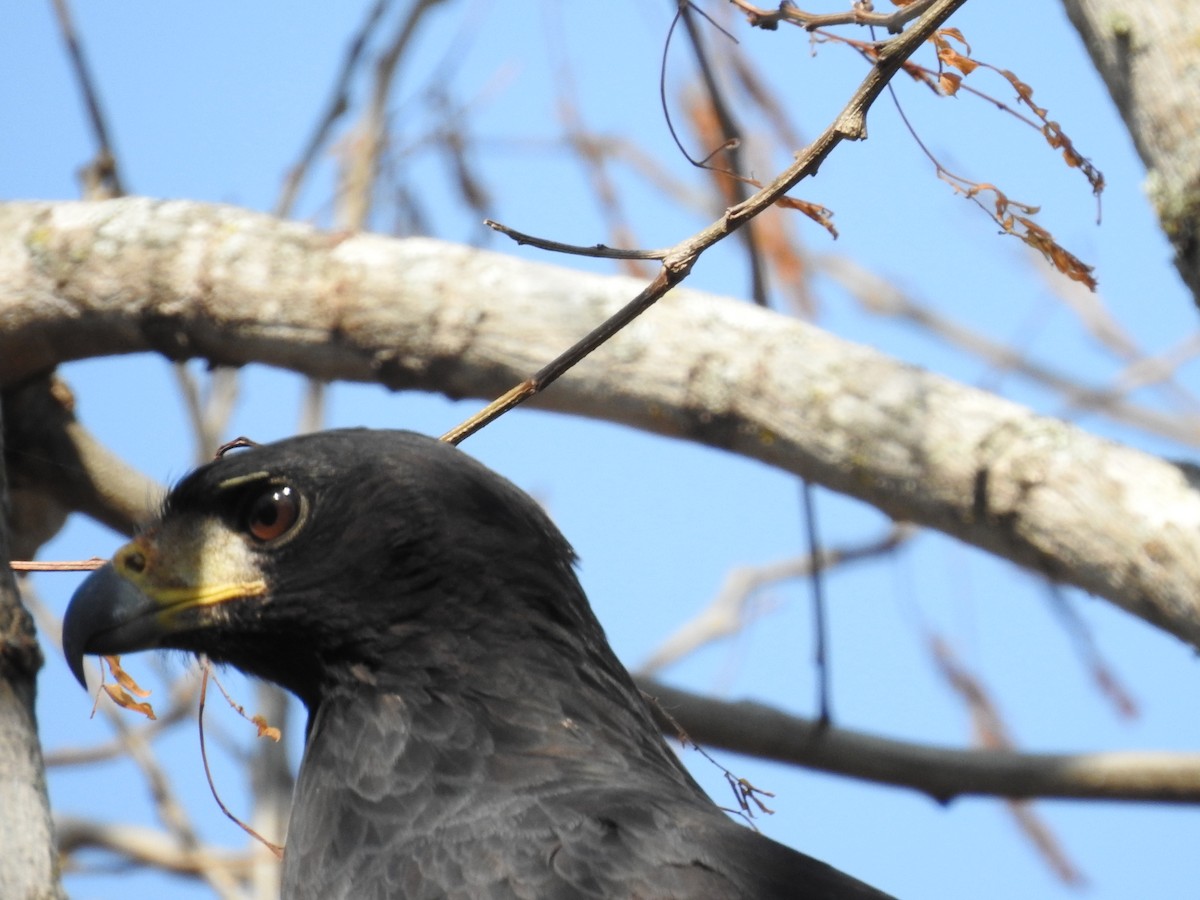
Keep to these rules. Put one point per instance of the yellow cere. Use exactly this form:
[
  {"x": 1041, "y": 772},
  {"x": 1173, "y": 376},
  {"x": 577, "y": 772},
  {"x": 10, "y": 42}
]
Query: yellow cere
[{"x": 207, "y": 563}]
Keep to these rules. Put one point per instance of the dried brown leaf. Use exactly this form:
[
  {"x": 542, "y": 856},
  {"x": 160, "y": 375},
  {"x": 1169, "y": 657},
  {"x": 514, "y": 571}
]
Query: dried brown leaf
[
  {"x": 822, "y": 215},
  {"x": 124, "y": 679},
  {"x": 949, "y": 83},
  {"x": 1062, "y": 259},
  {"x": 257, "y": 720},
  {"x": 953, "y": 34},
  {"x": 265, "y": 730},
  {"x": 120, "y": 697},
  {"x": 122, "y": 693}
]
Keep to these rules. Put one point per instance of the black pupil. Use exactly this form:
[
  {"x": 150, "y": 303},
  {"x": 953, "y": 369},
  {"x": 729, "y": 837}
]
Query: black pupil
[
  {"x": 268, "y": 511},
  {"x": 272, "y": 513}
]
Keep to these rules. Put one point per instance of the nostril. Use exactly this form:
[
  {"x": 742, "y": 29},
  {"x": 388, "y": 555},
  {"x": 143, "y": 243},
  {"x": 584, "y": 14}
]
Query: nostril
[{"x": 133, "y": 561}]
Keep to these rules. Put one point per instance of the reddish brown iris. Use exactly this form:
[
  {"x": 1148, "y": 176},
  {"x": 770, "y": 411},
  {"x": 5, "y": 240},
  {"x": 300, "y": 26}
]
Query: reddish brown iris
[{"x": 272, "y": 513}]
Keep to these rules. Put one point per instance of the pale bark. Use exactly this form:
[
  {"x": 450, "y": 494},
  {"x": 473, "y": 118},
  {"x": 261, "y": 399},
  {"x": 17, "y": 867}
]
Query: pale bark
[
  {"x": 29, "y": 869},
  {"x": 1147, "y": 54},
  {"x": 144, "y": 846},
  {"x": 188, "y": 279}
]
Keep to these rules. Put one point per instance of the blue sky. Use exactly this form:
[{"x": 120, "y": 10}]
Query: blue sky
[{"x": 213, "y": 103}]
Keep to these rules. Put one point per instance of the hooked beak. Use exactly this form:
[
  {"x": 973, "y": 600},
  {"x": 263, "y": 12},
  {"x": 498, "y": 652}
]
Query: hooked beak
[{"x": 108, "y": 614}]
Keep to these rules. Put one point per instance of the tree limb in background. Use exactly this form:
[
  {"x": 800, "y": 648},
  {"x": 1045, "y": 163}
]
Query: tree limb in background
[
  {"x": 1146, "y": 55},
  {"x": 881, "y": 297},
  {"x": 235, "y": 287},
  {"x": 944, "y": 774},
  {"x": 725, "y": 614},
  {"x": 849, "y": 125},
  {"x": 991, "y": 733},
  {"x": 102, "y": 176},
  {"x": 358, "y": 179},
  {"x": 146, "y": 846},
  {"x": 337, "y": 106},
  {"x": 58, "y": 466},
  {"x": 30, "y": 866}
]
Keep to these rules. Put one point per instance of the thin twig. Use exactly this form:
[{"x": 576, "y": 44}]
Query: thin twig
[
  {"x": 103, "y": 176},
  {"x": 1088, "y": 650},
  {"x": 787, "y": 12},
  {"x": 992, "y": 733},
  {"x": 743, "y": 790},
  {"x": 593, "y": 152},
  {"x": 182, "y": 702},
  {"x": 66, "y": 565},
  {"x": 209, "y": 409},
  {"x": 339, "y": 102},
  {"x": 881, "y": 297},
  {"x": 732, "y": 147},
  {"x": 725, "y": 614},
  {"x": 364, "y": 165},
  {"x": 276, "y": 849},
  {"x": 850, "y": 124},
  {"x": 820, "y": 619},
  {"x": 600, "y": 251}
]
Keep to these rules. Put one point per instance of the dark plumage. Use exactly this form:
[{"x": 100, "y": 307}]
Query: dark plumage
[{"x": 471, "y": 734}]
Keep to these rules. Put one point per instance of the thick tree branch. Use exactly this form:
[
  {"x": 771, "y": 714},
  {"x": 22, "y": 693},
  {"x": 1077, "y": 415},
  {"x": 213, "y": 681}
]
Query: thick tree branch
[
  {"x": 30, "y": 867},
  {"x": 942, "y": 773},
  {"x": 57, "y": 467},
  {"x": 883, "y": 298},
  {"x": 192, "y": 280},
  {"x": 1146, "y": 54}
]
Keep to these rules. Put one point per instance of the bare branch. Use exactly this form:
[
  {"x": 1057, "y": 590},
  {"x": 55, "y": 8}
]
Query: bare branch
[
  {"x": 598, "y": 251},
  {"x": 856, "y": 15},
  {"x": 944, "y": 774},
  {"x": 66, "y": 565},
  {"x": 364, "y": 164},
  {"x": 209, "y": 410},
  {"x": 339, "y": 102},
  {"x": 181, "y": 703},
  {"x": 592, "y": 152},
  {"x": 56, "y": 460},
  {"x": 726, "y": 613},
  {"x": 147, "y": 846},
  {"x": 234, "y": 287},
  {"x": 102, "y": 177},
  {"x": 991, "y": 732},
  {"x": 730, "y": 142},
  {"x": 850, "y": 124},
  {"x": 31, "y": 869}
]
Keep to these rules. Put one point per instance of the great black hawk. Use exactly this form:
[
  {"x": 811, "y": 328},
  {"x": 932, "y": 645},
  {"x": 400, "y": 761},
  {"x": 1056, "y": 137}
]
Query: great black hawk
[{"x": 470, "y": 734}]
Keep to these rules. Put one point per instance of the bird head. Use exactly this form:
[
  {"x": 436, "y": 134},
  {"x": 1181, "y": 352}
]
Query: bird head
[{"x": 303, "y": 560}]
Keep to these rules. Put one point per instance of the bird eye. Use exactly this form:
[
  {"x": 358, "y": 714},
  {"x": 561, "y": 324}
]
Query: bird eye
[{"x": 272, "y": 513}]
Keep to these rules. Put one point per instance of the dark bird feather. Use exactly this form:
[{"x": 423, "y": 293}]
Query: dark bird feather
[{"x": 471, "y": 734}]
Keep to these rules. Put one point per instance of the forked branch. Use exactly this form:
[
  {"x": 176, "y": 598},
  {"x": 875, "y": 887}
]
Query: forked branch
[{"x": 850, "y": 124}]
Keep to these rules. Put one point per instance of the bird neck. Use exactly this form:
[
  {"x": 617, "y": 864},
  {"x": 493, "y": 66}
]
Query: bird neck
[
  {"x": 511, "y": 693},
  {"x": 519, "y": 703},
  {"x": 453, "y": 734}
]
